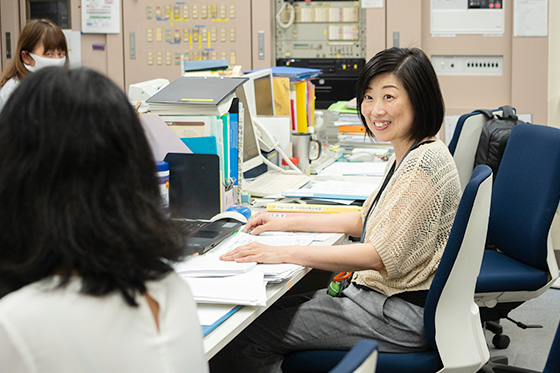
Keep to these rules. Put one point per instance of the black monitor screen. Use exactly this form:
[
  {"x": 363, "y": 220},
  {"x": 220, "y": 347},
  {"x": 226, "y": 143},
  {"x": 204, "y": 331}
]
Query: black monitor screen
[{"x": 56, "y": 11}]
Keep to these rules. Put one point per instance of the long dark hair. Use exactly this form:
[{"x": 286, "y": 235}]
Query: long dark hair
[
  {"x": 414, "y": 69},
  {"x": 78, "y": 191}
]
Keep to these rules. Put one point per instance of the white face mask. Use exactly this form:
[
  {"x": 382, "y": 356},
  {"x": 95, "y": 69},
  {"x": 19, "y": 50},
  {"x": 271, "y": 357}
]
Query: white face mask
[{"x": 42, "y": 62}]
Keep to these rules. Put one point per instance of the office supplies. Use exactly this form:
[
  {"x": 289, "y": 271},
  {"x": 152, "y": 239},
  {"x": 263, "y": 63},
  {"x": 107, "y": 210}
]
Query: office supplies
[
  {"x": 196, "y": 95},
  {"x": 247, "y": 289},
  {"x": 360, "y": 157},
  {"x": 374, "y": 168},
  {"x": 211, "y": 316},
  {"x": 232, "y": 214},
  {"x": 162, "y": 140},
  {"x": 201, "y": 145},
  {"x": 310, "y": 208},
  {"x": 334, "y": 189},
  {"x": 294, "y": 73},
  {"x": 210, "y": 265},
  {"x": 204, "y": 65}
]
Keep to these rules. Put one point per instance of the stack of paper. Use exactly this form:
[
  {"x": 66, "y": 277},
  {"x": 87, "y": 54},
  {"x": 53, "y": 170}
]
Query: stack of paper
[
  {"x": 215, "y": 281},
  {"x": 248, "y": 289},
  {"x": 334, "y": 189}
]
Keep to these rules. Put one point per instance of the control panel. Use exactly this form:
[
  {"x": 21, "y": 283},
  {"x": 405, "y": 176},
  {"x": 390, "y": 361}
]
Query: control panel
[
  {"x": 159, "y": 34},
  {"x": 319, "y": 29}
]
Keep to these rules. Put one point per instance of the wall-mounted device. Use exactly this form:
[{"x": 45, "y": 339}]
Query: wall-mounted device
[
  {"x": 451, "y": 17},
  {"x": 330, "y": 36},
  {"x": 468, "y": 65},
  {"x": 57, "y": 11}
]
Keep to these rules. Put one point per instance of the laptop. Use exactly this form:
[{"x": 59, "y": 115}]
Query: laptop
[
  {"x": 194, "y": 199},
  {"x": 257, "y": 178}
]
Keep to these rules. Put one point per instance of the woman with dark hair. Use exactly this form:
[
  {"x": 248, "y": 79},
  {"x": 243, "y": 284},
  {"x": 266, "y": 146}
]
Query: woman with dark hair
[
  {"x": 85, "y": 275},
  {"x": 403, "y": 228},
  {"x": 41, "y": 43}
]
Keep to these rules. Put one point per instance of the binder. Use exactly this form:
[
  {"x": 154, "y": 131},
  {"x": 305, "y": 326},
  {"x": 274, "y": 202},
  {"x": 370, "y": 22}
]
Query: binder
[
  {"x": 196, "y": 95},
  {"x": 234, "y": 142},
  {"x": 301, "y": 107},
  {"x": 281, "y": 88}
]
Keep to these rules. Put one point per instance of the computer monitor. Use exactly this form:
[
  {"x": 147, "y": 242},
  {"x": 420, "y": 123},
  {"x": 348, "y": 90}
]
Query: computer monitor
[
  {"x": 144, "y": 90},
  {"x": 260, "y": 92},
  {"x": 251, "y": 149}
]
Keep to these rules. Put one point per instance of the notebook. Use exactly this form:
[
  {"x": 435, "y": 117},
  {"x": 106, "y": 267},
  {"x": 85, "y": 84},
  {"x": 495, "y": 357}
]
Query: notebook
[{"x": 194, "y": 198}]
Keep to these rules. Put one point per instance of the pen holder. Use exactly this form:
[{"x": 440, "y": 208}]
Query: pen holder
[{"x": 303, "y": 150}]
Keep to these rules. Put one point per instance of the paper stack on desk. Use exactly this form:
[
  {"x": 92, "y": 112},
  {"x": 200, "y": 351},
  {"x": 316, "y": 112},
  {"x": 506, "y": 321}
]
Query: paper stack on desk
[{"x": 215, "y": 281}]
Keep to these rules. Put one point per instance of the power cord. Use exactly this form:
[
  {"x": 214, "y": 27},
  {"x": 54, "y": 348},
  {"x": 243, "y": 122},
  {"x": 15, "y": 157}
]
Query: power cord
[{"x": 292, "y": 16}]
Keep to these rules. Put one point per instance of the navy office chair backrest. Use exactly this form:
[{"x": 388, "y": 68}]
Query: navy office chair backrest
[
  {"x": 526, "y": 194},
  {"x": 454, "y": 243},
  {"x": 553, "y": 361},
  {"x": 458, "y": 129}
]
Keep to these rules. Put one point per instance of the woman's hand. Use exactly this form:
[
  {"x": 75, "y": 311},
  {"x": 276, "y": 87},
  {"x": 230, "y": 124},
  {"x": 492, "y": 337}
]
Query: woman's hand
[
  {"x": 256, "y": 252},
  {"x": 263, "y": 223}
]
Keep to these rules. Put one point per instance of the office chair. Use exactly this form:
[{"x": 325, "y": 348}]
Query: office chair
[
  {"x": 451, "y": 319},
  {"x": 552, "y": 362},
  {"x": 465, "y": 140},
  {"x": 525, "y": 198},
  {"x": 360, "y": 359}
]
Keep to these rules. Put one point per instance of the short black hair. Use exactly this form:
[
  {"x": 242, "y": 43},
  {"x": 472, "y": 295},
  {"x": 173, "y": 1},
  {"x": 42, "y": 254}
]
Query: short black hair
[
  {"x": 78, "y": 188},
  {"x": 414, "y": 70}
]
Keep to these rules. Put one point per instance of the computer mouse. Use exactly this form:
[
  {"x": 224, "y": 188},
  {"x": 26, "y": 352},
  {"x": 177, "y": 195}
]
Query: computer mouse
[
  {"x": 235, "y": 215},
  {"x": 360, "y": 157}
]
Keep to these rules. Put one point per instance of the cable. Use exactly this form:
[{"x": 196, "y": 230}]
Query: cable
[
  {"x": 276, "y": 145},
  {"x": 292, "y": 17}
]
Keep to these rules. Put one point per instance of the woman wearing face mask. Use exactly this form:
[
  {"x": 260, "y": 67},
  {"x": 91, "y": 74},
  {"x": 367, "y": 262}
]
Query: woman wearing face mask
[{"x": 41, "y": 43}]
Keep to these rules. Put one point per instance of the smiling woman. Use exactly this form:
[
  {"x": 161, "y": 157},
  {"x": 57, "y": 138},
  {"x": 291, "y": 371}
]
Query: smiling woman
[{"x": 404, "y": 226}]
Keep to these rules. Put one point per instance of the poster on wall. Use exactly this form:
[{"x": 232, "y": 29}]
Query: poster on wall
[{"x": 101, "y": 16}]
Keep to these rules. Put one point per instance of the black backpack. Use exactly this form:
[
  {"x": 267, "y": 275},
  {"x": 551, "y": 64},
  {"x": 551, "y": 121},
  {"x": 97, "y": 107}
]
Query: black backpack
[{"x": 494, "y": 137}]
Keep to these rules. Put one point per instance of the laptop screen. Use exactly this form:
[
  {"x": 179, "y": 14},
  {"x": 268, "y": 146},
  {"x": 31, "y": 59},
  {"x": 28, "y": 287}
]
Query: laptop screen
[{"x": 194, "y": 185}]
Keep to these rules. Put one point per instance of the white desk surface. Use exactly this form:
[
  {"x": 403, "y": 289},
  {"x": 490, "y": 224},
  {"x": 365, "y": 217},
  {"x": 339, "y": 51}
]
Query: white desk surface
[{"x": 230, "y": 328}]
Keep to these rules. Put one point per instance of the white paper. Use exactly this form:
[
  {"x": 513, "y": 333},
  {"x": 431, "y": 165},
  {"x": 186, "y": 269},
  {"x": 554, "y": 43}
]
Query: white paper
[
  {"x": 210, "y": 265},
  {"x": 101, "y": 16},
  {"x": 335, "y": 189},
  {"x": 372, "y": 3},
  {"x": 247, "y": 289},
  {"x": 356, "y": 168},
  {"x": 74, "y": 41},
  {"x": 208, "y": 314},
  {"x": 530, "y": 18}
]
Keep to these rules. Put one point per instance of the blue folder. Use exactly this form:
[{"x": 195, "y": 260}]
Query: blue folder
[
  {"x": 206, "y": 329},
  {"x": 201, "y": 145}
]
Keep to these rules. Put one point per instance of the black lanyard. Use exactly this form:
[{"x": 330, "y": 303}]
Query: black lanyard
[{"x": 385, "y": 182}]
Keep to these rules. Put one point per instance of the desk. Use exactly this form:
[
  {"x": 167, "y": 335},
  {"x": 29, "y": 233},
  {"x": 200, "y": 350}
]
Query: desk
[{"x": 229, "y": 329}]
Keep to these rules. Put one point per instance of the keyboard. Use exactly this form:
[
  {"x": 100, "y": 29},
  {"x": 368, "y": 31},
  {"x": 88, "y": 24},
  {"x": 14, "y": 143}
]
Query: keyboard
[
  {"x": 273, "y": 183},
  {"x": 192, "y": 226}
]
